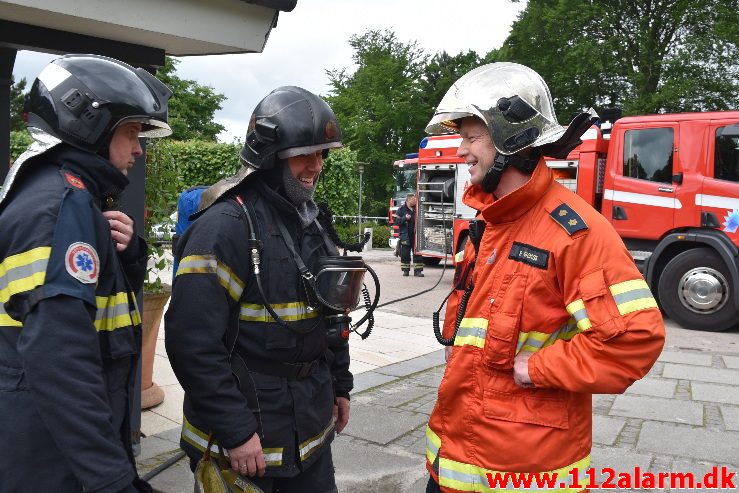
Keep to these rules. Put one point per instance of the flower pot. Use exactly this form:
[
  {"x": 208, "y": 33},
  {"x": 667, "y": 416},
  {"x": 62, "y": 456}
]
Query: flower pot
[{"x": 154, "y": 303}]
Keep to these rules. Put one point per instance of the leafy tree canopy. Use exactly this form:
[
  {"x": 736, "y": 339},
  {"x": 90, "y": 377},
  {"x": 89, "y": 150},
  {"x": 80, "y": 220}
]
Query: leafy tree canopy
[
  {"x": 17, "y": 95},
  {"x": 192, "y": 106},
  {"x": 650, "y": 56},
  {"x": 381, "y": 107}
]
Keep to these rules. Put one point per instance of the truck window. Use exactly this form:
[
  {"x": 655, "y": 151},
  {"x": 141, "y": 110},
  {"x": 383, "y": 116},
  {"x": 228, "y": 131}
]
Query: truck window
[
  {"x": 648, "y": 154},
  {"x": 727, "y": 153}
]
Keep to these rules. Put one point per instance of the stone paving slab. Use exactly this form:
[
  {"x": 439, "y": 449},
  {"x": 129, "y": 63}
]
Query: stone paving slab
[
  {"x": 713, "y": 375},
  {"x": 414, "y": 365},
  {"x": 686, "y": 358},
  {"x": 724, "y": 394},
  {"x": 731, "y": 417},
  {"x": 731, "y": 362},
  {"x": 657, "y": 409},
  {"x": 394, "y": 395},
  {"x": 370, "y": 379},
  {"x": 699, "y": 471},
  {"x": 655, "y": 387},
  {"x": 694, "y": 443},
  {"x": 365, "y": 468},
  {"x": 379, "y": 424},
  {"x": 619, "y": 459},
  {"x": 606, "y": 429}
]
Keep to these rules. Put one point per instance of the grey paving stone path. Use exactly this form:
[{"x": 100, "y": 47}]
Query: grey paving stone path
[{"x": 682, "y": 417}]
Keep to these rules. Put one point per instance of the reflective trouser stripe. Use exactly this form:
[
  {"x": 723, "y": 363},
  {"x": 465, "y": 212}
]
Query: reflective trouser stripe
[
  {"x": 115, "y": 312},
  {"x": 472, "y": 332},
  {"x": 469, "y": 477},
  {"x": 433, "y": 444},
  {"x": 209, "y": 264},
  {"x": 252, "y": 312},
  {"x": 312, "y": 444},
  {"x": 20, "y": 273},
  {"x": 199, "y": 440}
]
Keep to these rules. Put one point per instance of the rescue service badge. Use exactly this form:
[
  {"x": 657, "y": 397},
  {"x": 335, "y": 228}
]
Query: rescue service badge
[
  {"x": 74, "y": 181},
  {"x": 82, "y": 262}
]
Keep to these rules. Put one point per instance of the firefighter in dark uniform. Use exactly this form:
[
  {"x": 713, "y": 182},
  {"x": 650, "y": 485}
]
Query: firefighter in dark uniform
[
  {"x": 406, "y": 219},
  {"x": 277, "y": 421},
  {"x": 69, "y": 266}
]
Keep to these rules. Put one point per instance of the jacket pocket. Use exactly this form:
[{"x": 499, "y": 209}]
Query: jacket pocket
[
  {"x": 600, "y": 306},
  {"x": 503, "y": 322},
  {"x": 12, "y": 379},
  {"x": 543, "y": 407}
]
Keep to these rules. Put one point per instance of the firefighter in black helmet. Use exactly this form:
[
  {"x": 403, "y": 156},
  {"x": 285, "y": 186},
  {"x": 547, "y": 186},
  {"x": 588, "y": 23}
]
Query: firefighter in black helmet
[
  {"x": 277, "y": 417},
  {"x": 69, "y": 267}
]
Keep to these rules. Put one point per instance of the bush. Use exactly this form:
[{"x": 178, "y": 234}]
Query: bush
[
  {"x": 348, "y": 231},
  {"x": 19, "y": 142}
]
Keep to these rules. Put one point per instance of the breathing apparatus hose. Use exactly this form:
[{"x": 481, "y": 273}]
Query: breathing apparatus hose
[{"x": 369, "y": 307}]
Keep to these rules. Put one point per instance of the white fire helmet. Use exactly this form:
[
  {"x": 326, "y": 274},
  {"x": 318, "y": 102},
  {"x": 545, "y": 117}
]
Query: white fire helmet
[{"x": 512, "y": 100}]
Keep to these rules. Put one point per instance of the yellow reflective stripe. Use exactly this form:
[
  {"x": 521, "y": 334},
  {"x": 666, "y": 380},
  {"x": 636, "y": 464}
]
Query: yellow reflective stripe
[
  {"x": 632, "y": 296},
  {"x": 209, "y": 264},
  {"x": 272, "y": 456},
  {"x": 578, "y": 312},
  {"x": 433, "y": 444},
  {"x": 198, "y": 439},
  {"x": 114, "y": 312},
  {"x": 312, "y": 444},
  {"x": 472, "y": 332},
  {"x": 7, "y": 321},
  {"x": 290, "y": 312},
  {"x": 532, "y": 341},
  {"x": 23, "y": 272},
  {"x": 469, "y": 477}
]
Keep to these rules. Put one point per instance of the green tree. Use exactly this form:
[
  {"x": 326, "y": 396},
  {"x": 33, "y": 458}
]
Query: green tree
[
  {"x": 192, "y": 106},
  {"x": 17, "y": 95},
  {"x": 442, "y": 71},
  {"x": 339, "y": 183},
  {"x": 380, "y": 108},
  {"x": 649, "y": 56}
]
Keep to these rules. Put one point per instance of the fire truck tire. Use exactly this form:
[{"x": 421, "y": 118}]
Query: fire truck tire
[
  {"x": 695, "y": 291},
  {"x": 431, "y": 260}
]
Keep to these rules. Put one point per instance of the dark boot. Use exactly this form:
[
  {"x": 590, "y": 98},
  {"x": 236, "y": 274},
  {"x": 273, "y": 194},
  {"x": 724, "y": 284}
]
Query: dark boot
[
  {"x": 418, "y": 273},
  {"x": 405, "y": 272}
]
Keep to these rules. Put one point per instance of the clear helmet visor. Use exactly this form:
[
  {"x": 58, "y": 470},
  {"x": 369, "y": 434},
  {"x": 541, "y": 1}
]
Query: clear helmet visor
[
  {"x": 151, "y": 128},
  {"x": 339, "y": 282},
  {"x": 512, "y": 100}
]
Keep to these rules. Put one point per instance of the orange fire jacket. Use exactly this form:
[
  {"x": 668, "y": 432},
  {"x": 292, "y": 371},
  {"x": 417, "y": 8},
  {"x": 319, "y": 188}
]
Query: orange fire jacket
[{"x": 552, "y": 277}]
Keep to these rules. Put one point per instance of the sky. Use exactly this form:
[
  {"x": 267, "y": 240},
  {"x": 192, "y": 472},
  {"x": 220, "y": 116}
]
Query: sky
[{"x": 314, "y": 37}]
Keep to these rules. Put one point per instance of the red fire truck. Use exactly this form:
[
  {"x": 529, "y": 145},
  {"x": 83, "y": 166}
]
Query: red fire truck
[
  {"x": 669, "y": 184},
  {"x": 404, "y": 176}
]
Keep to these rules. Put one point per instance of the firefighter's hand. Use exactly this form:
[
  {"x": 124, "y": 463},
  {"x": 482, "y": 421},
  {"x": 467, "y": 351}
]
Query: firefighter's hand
[
  {"x": 341, "y": 413},
  {"x": 248, "y": 459},
  {"x": 521, "y": 369},
  {"x": 121, "y": 228},
  {"x": 408, "y": 216},
  {"x": 447, "y": 353}
]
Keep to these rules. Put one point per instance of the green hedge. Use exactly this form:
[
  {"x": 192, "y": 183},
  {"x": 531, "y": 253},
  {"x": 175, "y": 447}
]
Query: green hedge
[
  {"x": 349, "y": 232},
  {"x": 19, "y": 142}
]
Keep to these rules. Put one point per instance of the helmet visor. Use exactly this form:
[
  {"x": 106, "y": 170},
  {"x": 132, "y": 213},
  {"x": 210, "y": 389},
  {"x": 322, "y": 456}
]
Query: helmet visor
[
  {"x": 150, "y": 127},
  {"x": 298, "y": 151}
]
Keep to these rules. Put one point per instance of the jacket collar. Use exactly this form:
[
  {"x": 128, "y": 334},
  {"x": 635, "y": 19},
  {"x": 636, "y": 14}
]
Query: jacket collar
[
  {"x": 515, "y": 204},
  {"x": 101, "y": 178}
]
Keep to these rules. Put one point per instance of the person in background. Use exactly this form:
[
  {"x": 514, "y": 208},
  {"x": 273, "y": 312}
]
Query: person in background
[
  {"x": 551, "y": 307},
  {"x": 70, "y": 265},
  {"x": 405, "y": 217},
  {"x": 277, "y": 413}
]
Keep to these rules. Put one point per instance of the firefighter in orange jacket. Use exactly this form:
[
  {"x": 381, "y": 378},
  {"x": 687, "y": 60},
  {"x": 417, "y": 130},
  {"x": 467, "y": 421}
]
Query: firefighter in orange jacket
[{"x": 552, "y": 308}]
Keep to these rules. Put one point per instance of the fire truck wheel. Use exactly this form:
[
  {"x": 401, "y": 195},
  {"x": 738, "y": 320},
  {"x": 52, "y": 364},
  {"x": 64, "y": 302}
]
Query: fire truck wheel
[
  {"x": 695, "y": 292},
  {"x": 431, "y": 260}
]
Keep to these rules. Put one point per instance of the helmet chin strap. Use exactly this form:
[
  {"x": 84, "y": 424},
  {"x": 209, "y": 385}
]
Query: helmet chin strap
[{"x": 492, "y": 177}]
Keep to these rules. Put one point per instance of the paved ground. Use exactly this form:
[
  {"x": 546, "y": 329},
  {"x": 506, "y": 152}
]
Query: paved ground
[{"x": 684, "y": 416}]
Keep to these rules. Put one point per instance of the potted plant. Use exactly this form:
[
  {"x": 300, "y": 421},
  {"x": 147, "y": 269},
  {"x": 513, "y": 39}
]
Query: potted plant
[{"x": 161, "y": 191}]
